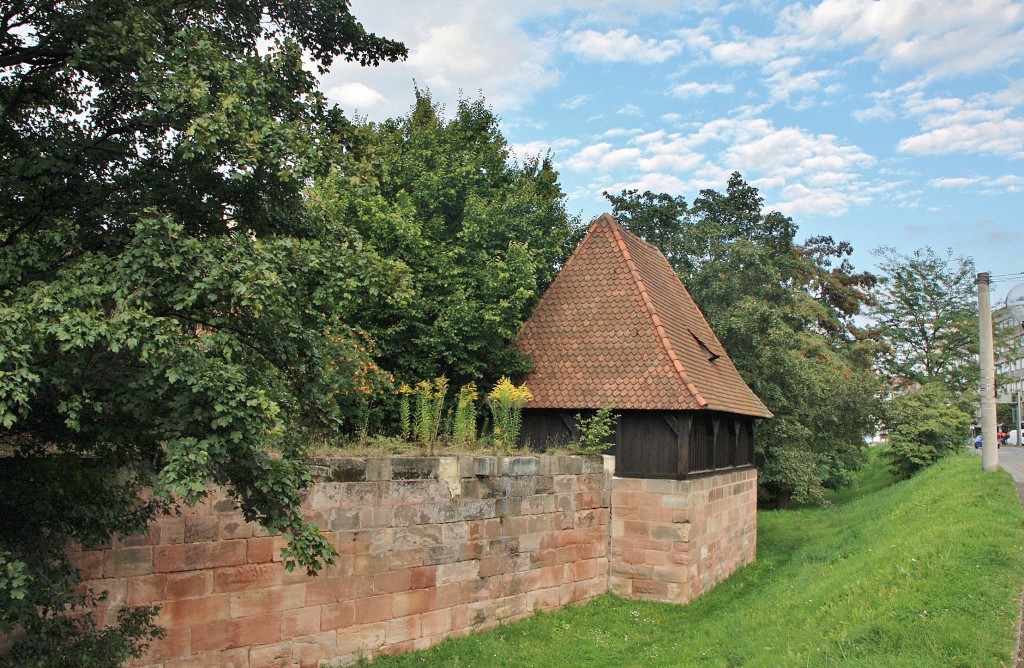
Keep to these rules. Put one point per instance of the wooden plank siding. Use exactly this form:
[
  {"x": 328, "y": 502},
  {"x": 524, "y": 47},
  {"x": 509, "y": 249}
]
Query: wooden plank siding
[{"x": 655, "y": 444}]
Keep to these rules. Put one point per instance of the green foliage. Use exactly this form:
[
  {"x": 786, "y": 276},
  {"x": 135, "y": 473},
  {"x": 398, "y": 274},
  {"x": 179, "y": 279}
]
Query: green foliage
[
  {"x": 925, "y": 424},
  {"x": 594, "y": 431},
  {"x": 464, "y": 420},
  {"x": 482, "y": 237},
  {"x": 352, "y": 375},
  {"x": 163, "y": 279},
  {"x": 927, "y": 313},
  {"x": 506, "y": 402},
  {"x": 921, "y": 573},
  {"x": 785, "y": 314}
]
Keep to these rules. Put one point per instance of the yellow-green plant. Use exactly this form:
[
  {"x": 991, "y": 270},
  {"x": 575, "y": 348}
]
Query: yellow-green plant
[
  {"x": 429, "y": 409},
  {"x": 506, "y": 402},
  {"x": 404, "y": 410},
  {"x": 464, "y": 421}
]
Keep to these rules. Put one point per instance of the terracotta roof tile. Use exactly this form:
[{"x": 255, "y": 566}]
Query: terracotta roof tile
[{"x": 617, "y": 328}]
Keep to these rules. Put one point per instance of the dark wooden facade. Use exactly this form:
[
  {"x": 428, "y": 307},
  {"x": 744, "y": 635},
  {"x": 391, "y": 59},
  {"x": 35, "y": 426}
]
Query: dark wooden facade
[{"x": 655, "y": 444}]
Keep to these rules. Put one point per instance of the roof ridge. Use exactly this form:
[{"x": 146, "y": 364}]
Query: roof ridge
[{"x": 616, "y": 229}]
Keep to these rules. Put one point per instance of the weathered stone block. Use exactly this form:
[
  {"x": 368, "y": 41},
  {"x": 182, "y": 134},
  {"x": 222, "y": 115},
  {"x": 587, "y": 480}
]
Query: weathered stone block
[
  {"x": 486, "y": 466},
  {"x": 521, "y": 466},
  {"x": 414, "y": 468}
]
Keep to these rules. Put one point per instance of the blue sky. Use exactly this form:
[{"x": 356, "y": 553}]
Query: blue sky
[{"x": 878, "y": 122}]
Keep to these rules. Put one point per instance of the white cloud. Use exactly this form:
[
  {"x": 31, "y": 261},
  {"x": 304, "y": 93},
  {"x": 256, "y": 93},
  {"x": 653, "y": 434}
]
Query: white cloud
[
  {"x": 456, "y": 47},
  {"x": 618, "y": 45},
  {"x": 629, "y": 110},
  {"x": 575, "y": 102},
  {"x": 955, "y": 182},
  {"x": 954, "y": 125},
  {"x": 602, "y": 157},
  {"x": 695, "y": 89},
  {"x": 355, "y": 95},
  {"x": 985, "y": 185},
  {"x": 941, "y": 37}
]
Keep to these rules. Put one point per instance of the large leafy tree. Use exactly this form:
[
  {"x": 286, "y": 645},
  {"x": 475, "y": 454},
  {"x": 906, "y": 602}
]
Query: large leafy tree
[
  {"x": 481, "y": 235},
  {"x": 927, "y": 314},
  {"x": 785, "y": 312},
  {"x": 164, "y": 281}
]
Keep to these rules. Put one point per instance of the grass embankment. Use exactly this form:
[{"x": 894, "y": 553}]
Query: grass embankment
[{"x": 925, "y": 572}]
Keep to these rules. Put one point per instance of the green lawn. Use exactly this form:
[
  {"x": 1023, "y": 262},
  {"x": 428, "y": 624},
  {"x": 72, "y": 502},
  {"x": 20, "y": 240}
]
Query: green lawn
[{"x": 926, "y": 572}]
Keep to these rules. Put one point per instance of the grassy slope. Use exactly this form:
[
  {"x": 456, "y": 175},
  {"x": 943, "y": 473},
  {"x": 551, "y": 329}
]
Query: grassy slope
[{"x": 927, "y": 572}]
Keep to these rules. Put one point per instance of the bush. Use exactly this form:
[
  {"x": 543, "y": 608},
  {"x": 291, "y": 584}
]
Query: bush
[
  {"x": 593, "y": 432},
  {"x": 925, "y": 425}
]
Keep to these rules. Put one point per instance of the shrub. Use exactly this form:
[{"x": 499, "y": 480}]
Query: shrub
[
  {"x": 593, "y": 431},
  {"x": 925, "y": 425}
]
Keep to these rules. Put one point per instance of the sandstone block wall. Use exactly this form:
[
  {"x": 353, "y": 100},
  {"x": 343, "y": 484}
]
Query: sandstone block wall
[
  {"x": 673, "y": 539},
  {"x": 429, "y": 547}
]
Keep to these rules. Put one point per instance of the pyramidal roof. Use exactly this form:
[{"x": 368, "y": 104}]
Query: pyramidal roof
[{"x": 617, "y": 328}]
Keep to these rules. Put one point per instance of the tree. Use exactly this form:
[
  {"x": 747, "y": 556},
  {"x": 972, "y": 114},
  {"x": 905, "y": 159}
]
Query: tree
[
  {"x": 925, "y": 424},
  {"x": 481, "y": 236},
  {"x": 164, "y": 281},
  {"x": 786, "y": 315},
  {"x": 927, "y": 318}
]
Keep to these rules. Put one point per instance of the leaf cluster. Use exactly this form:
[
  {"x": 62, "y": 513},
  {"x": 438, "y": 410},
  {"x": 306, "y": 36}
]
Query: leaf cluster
[
  {"x": 481, "y": 236},
  {"x": 163, "y": 278},
  {"x": 927, "y": 315}
]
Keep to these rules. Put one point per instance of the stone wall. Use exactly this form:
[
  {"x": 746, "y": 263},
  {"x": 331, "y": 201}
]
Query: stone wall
[
  {"x": 429, "y": 548},
  {"x": 673, "y": 539}
]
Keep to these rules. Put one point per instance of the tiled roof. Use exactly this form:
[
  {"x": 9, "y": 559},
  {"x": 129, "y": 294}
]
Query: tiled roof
[{"x": 617, "y": 328}]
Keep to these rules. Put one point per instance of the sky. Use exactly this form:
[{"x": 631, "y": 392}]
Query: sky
[{"x": 879, "y": 122}]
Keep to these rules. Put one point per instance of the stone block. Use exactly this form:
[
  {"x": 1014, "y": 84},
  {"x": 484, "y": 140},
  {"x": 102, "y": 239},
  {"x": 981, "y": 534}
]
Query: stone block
[
  {"x": 276, "y": 655},
  {"x": 412, "y": 602},
  {"x": 311, "y": 649},
  {"x": 487, "y": 466},
  {"x": 373, "y": 609},
  {"x": 520, "y": 466},
  {"x": 671, "y": 532},
  {"x": 191, "y": 556},
  {"x": 349, "y": 469},
  {"x": 248, "y": 576},
  {"x": 300, "y": 622},
  {"x": 145, "y": 589},
  {"x": 336, "y": 615},
  {"x": 192, "y": 611},
  {"x": 127, "y": 561},
  {"x": 392, "y": 581},
  {"x": 402, "y": 629},
  {"x": 201, "y": 528},
  {"x": 188, "y": 584},
  {"x": 269, "y": 599},
  {"x": 414, "y": 468},
  {"x": 241, "y": 632},
  {"x": 435, "y": 623}
]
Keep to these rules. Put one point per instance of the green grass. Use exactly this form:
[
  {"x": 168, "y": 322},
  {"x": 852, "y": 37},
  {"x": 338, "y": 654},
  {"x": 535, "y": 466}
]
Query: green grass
[{"x": 926, "y": 572}]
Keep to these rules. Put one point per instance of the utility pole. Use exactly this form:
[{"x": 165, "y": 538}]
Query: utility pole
[{"x": 987, "y": 386}]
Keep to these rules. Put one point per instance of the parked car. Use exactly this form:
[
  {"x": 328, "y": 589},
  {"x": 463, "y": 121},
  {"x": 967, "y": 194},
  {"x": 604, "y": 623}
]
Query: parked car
[
  {"x": 999, "y": 442},
  {"x": 1013, "y": 437}
]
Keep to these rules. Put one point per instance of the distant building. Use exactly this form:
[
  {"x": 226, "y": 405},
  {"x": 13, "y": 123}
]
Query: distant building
[{"x": 1009, "y": 357}]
